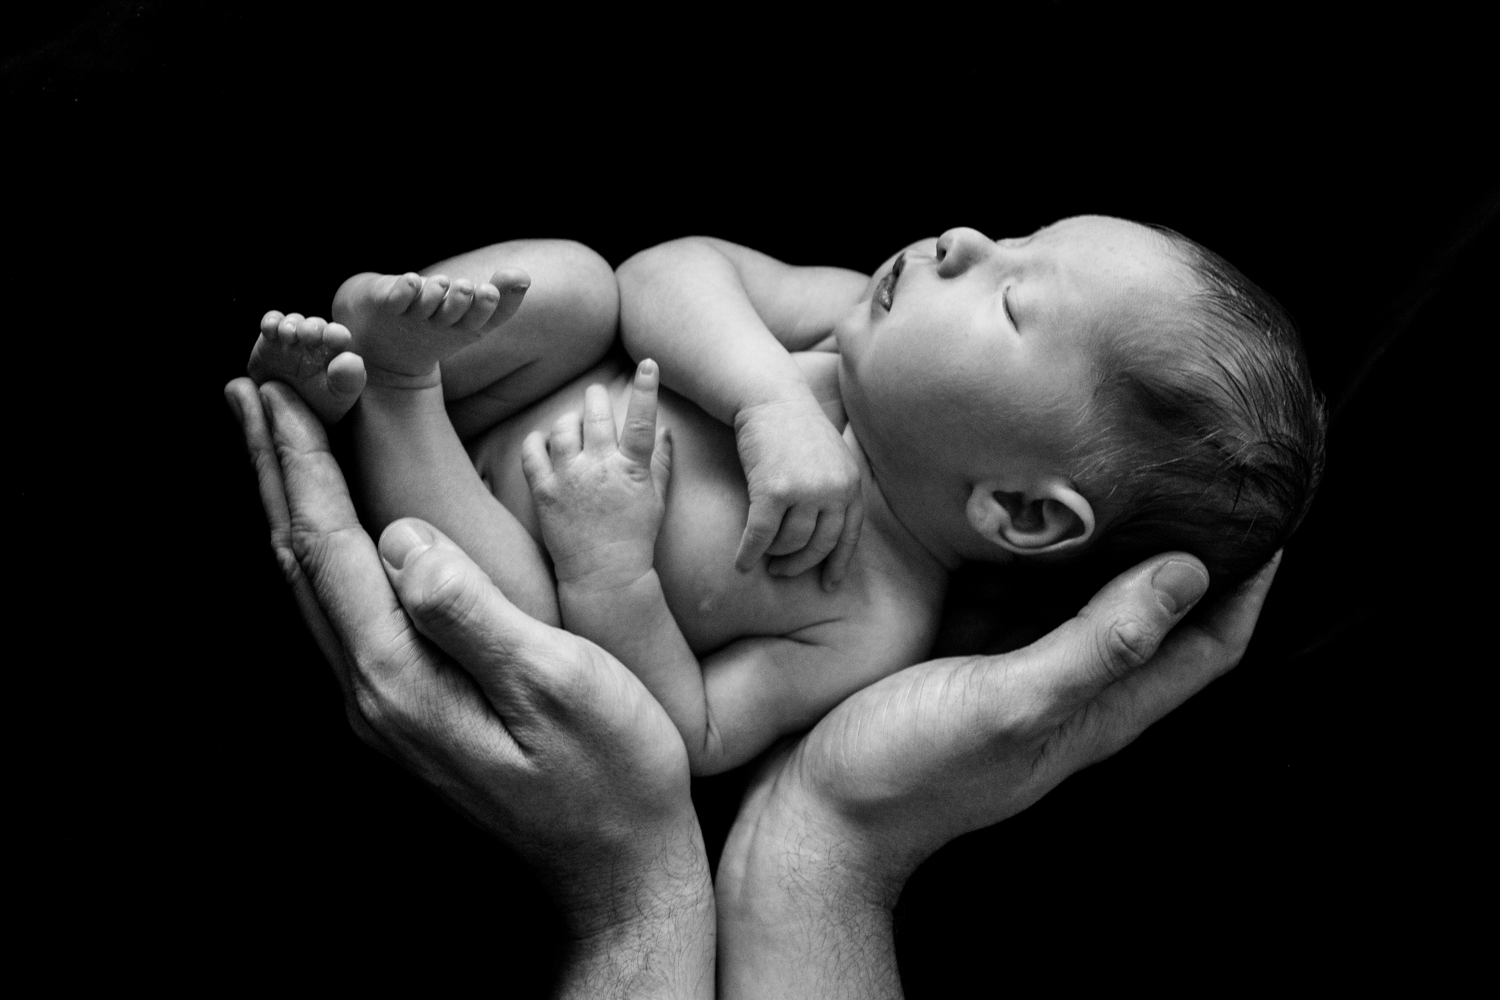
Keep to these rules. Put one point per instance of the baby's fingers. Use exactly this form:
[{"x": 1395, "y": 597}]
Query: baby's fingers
[
  {"x": 535, "y": 461},
  {"x": 838, "y": 563},
  {"x": 566, "y": 440},
  {"x": 760, "y": 528},
  {"x": 598, "y": 420},
  {"x": 639, "y": 436},
  {"x": 796, "y": 528},
  {"x": 824, "y": 538},
  {"x": 661, "y": 462}
]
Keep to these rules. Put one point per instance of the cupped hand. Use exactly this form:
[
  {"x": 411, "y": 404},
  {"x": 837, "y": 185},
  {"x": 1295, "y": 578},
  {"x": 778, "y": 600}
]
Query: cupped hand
[
  {"x": 955, "y": 745},
  {"x": 806, "y": 505},
  {"x": 835, "y": 822},
  {"x": 539, "y": 736}
]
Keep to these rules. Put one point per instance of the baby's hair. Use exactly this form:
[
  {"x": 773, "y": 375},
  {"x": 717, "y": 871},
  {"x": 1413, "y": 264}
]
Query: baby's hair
[{"x": 1208, "y": 432}]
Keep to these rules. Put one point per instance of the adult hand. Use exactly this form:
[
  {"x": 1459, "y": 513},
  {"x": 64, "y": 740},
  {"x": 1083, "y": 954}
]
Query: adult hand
[
  {"x": 835, "y": 823},
  {"x": 539, "y": 736}
]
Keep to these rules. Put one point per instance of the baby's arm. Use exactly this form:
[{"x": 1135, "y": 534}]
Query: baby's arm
[
  {"x": 600, "y": 505},
  {"x": 722, "y": 319}
]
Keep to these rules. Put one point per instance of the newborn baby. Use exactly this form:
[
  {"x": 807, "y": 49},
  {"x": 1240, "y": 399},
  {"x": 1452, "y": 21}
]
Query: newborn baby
[{"x": 1097, "y": 389}]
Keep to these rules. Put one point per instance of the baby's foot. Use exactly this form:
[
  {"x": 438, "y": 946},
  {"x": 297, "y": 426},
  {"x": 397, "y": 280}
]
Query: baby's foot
[
  {"x": 312, "y": 356},
  {"x": 404, "y": 324}
]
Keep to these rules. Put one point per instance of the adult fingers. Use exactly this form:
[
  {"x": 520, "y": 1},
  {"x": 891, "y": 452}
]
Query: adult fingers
[
  {"x": 838, "y": 562},
  {"x": 245, "y": 403},
  {"x": 638, "y": 440},
  {"x": 328, "y": 543},
  {"x": 797, "y": 526},
  {"x": 1115, "y": 634},
  {"x": 521, "y": 665}
]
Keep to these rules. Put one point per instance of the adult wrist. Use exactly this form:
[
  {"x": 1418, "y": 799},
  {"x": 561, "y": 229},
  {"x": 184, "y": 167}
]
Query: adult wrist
[
  {"x": 804, "y": 907},
  {"x": 642, "y": 925}
]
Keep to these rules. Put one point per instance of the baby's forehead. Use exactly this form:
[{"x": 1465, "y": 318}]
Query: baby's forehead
[{"x": 1111, "y": 266}]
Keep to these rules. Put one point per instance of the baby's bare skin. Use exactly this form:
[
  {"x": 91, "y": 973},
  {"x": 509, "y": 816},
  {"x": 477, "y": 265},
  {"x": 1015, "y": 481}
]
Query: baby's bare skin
[
  {"x": 961, "y": 367},
  {"x": 715, "y": 604},
  {"x": 776, "y": 651}
]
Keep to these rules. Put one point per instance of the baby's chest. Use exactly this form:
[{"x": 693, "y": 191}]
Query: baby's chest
[{"x": 707, "y": 504}]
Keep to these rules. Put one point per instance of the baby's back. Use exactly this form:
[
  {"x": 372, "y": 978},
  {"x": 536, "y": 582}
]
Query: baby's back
[{"x": 883, "y": 601}]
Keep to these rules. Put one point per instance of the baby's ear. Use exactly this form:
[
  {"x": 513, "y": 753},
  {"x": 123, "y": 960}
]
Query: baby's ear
[{"x": 1047, "y": 516}]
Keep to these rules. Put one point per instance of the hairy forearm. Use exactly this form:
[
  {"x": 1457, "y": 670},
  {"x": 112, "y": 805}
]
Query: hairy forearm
[
  {"x": 799, "y": 917},
  {"x": 650, "y": 933},
  {"x": 684, "y": 304},
  {"x": 632, "y": 621}
]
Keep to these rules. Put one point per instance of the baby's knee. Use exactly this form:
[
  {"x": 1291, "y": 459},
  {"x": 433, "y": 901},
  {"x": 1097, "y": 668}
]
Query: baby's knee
[{"x": 579, "y": 286}]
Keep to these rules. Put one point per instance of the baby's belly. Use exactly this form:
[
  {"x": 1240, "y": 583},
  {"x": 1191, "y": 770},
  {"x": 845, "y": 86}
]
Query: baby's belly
[{"x": 707, "y": 503}]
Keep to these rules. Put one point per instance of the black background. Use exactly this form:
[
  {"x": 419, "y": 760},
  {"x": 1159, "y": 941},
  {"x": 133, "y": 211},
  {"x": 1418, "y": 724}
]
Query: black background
[{"x": 197, "y": 805}]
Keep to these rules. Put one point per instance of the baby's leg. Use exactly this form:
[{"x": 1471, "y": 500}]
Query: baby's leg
[
  {"x": 566, "y": 323},
  {"x": 409, "y": 458}
]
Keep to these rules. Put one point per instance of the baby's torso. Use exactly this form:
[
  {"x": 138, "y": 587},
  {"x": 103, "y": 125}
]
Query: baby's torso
[{"x": 707, "y": 503}]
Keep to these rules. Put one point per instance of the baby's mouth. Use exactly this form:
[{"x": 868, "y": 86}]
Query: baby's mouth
[{"x": 885, "y": 291}]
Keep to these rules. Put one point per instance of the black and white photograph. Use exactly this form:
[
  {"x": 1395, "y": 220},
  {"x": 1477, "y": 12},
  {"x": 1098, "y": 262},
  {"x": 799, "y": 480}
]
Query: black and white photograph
[{"x": 631, "y": 504}]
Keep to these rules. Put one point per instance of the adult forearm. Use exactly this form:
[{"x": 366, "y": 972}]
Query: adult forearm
[
  {"x": 683, "y": 304},
  {"x": 651, "y": 936},
  {"x": 799, "y": 916}
]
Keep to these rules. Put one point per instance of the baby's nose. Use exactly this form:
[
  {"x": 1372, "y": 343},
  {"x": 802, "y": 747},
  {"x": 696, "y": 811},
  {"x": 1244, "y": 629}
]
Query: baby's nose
[{"x": 960, "y": 249}]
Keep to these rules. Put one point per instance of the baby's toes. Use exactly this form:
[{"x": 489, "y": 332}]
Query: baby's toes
[
  {"x": 456, "y": 303},
  {"x": 396, "y": 292},
  {"x": 286, "y": 330},
  {"x": 346, "y": 375},
  {"x": 269, "y": 324},
  {"x": 310, "y": 333},
  {"x": 337, "y": 338},
  {"x": 486, "y": 298},
  {"x": 430, "y": 297}
]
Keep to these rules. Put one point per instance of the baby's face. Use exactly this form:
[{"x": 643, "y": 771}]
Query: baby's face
[{"x": 968, "y": 343}]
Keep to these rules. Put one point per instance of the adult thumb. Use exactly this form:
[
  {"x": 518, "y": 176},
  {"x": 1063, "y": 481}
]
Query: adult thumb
[
  {"x": 454, "y": 603},
  {"x": 1117, "y": 632}
]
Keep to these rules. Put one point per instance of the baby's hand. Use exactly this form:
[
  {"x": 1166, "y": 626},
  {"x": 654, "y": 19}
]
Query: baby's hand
[
  {"x": 805, "y": 496},
  {"x": 600, "y": 503}
]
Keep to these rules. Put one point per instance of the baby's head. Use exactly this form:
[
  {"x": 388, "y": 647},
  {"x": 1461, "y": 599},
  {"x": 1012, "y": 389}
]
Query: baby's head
[{"x": 1098, "y": 386}]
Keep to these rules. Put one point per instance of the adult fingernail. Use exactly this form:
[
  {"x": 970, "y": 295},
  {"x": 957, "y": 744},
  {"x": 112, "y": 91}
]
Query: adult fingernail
[
  {"x": 403, "y": 540},
  {"x": 1179, "y": 585},
  {"x": 235, "y": 407}
]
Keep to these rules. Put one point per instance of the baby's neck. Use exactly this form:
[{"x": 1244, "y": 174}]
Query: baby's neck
[{"x": 904, "y": 534}]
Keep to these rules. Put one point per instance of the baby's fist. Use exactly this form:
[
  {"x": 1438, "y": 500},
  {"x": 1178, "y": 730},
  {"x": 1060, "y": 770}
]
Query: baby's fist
[{"x": 806, "y": 501}]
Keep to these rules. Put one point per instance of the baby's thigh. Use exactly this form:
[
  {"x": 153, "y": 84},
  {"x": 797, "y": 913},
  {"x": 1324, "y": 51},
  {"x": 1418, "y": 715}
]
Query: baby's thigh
[{"x": 567, "y": 321}]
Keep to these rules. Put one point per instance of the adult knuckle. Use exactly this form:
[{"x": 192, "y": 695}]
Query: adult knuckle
[
  {"x": 371, "y": 709},
  {"x": 445, "y": 594},
  {"x": 286, "y": 559},
  {"x": 1128, "y": 644}
]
